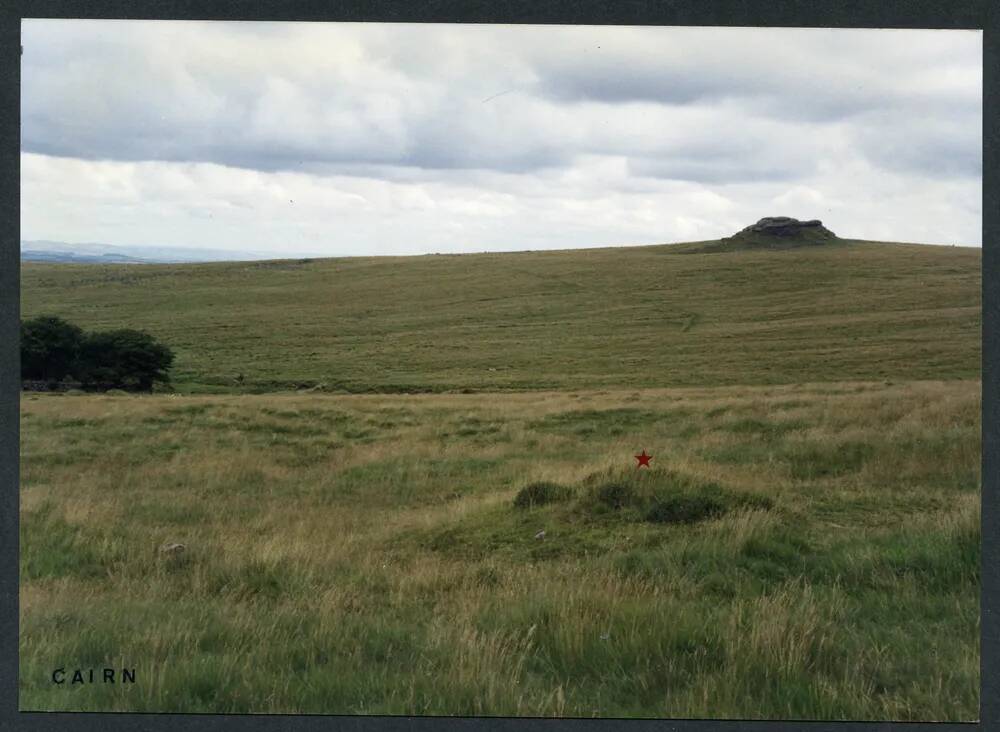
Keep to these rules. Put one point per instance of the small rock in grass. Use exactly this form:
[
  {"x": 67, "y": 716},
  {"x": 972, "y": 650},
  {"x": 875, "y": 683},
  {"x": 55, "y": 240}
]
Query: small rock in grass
[{"x": 172, "y": 549}]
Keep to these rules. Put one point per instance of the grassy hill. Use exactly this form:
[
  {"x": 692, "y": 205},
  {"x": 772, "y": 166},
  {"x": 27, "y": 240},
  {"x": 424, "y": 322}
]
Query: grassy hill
[{"x": 629, "y": 317}]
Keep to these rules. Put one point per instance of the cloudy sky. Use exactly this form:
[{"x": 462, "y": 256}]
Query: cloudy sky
[{"x": 343, "y": 139}]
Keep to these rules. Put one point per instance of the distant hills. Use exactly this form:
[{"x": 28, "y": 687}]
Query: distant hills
[
  {"x": 94, "y": 253},
  {"x": 34, "y": 255}
]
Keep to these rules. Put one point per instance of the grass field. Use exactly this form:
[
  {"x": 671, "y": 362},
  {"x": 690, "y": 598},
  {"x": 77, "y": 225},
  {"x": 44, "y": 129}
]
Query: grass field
[
  {"x": 805, "y": 545},
  {"x": 602, "y": 318}
]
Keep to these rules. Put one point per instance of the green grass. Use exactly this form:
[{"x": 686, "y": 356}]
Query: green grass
[
  {"x": 399, "y": 573},
  {"x": 626, "y": 317}
]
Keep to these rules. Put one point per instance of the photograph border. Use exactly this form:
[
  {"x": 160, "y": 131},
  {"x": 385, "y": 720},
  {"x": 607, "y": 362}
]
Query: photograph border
[{"x": 959, "y": 14}]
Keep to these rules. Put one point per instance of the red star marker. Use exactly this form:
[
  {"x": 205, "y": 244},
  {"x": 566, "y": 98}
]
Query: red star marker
[{"x": 643, "y": 459}]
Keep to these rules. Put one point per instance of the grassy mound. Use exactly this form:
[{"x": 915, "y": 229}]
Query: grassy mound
[
  {"x": 585, "y": 519},
  {"x": 664, "y": 496},
  {"x": 654, "y": 496}
]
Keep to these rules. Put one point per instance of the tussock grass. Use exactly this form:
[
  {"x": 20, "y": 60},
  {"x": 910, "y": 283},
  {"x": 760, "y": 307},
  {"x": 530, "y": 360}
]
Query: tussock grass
[
  {"x": 538, "y": 494},
  {"x": 665, "y": 496},
  {"x": 370, "y": 557}
]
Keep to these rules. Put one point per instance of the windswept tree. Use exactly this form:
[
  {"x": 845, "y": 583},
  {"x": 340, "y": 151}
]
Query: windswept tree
[
  {"x": 123, "y": 359},
  {"x": 50, "y": 348}
]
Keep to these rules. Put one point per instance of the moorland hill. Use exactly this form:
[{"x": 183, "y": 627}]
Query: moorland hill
[{"x": 726, "y": 313}]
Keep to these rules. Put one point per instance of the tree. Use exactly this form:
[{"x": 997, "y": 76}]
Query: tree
[
  {"x": 123, "y": 359},
  {"x": 50, "y": 348}
]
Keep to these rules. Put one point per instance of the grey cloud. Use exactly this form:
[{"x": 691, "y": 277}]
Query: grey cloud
[
  {"x": 941, "y": 146},
  {"x": 703, "y": 105},
  {"x": 795, "y": 74},
  {"x": 725, "y": 171},
  {"x": 948, "y": 158},
  {"x": 114, "y": 106}
]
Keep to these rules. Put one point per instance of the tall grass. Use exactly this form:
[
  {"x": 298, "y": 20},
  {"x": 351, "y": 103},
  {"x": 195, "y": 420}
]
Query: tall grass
[{"x": 366, "y": 554}]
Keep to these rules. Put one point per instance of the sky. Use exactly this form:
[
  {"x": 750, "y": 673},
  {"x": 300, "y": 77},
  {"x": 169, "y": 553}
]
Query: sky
[{"x": 375, "y": 139}]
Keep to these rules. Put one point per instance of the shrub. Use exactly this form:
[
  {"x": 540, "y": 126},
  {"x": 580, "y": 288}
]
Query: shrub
[
  {"x": 123, "y": 359},
  {"x": 538, "y": 494},
  {"x": 49, "y": 348},
  {"x": 116, "y": 392},
  {"x": 52, "y": 349}
]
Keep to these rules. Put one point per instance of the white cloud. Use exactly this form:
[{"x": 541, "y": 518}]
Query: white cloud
[
  {"x": 361, "y": 138},
  {"x": 799, "y": 197}
]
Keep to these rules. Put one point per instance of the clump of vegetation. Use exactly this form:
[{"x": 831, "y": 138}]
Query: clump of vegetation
[
  {"x": 50, "y": 348},
  {"x": 124, "y": 359},
  {"x": 684, "y": 509},
  {"x": 538, "y": 494},
  {"x": 665, "y": 496},
  {"x": 615, "y": 495},
  {"x": 53, "y": 350}
]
